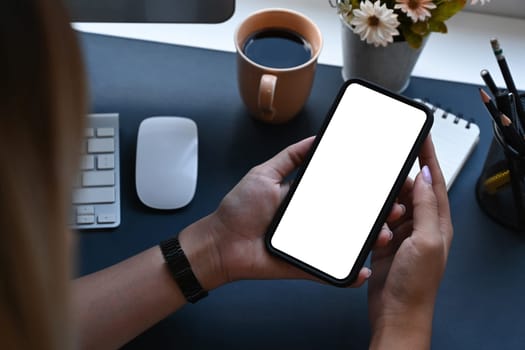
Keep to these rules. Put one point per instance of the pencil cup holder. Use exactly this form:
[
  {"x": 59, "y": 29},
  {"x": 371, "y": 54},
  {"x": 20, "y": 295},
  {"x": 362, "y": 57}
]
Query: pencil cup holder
[{"x": 500, "y": 188}]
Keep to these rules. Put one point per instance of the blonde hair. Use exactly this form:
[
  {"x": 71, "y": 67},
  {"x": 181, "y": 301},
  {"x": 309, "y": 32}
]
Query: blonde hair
[{"x": 42, "y": 104}]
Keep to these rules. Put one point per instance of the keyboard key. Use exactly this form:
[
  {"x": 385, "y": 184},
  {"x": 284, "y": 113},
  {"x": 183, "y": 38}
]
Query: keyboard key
[
  {"x": 106, "y": 161},
  {"x": 98, "y": 178},
  {"x": 87, "y": 162},
  {"x": 105, "y": 132},
  {"x": 106, "y": 218},
  {"x": 85, "y": 219},
  {"x": 85, "y": 210},
  {"x": 105, "y": 145},
  {"x": 94, "y": 195}
]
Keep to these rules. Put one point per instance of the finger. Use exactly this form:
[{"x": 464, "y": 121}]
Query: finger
[
  {"x": 387, "y": 243},
  {"x": 428, "y": 157},
  {"x": 426, "y": 209},
  {"x": 384, "y": 237},
  {"x": 362, "y": 277},
  {"x": 287, "y": 160},
  {"x": 398, "y": 210}
]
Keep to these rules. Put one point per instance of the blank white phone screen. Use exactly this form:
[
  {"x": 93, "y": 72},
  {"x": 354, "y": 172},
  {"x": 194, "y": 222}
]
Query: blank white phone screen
[{"x": 347, "y": 181}]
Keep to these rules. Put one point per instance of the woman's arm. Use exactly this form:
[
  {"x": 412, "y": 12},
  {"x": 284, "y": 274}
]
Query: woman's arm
[{"x": 114, "y": 305}]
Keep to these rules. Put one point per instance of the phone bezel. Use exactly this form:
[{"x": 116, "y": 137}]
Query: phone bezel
[{"x": 381, "y": 218}]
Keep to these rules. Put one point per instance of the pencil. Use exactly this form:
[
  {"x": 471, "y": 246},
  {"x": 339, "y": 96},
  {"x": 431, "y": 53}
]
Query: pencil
[
  {"x": 487, "y": 78},
  {"x": 504, "y": 124},
  {"x": 491, "y": 107},
  {"x": 505, "y": 71},
  {"x": 511, "y": 134},
  {"x": 505, "y": 121}
]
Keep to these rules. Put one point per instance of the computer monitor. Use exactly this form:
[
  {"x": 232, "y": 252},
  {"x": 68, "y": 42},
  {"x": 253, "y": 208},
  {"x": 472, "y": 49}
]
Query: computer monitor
[{"x": 151, "y": 11}]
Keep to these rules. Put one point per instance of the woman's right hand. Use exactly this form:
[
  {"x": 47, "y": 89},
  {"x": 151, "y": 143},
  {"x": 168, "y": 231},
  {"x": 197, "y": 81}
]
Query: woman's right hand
[{"x": 407, "y": 273}]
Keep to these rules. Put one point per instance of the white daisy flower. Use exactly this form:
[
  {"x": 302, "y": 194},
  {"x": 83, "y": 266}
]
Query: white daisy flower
[
  {"x": 375, "y": 23},
  {"x": 417, "y": 10}
]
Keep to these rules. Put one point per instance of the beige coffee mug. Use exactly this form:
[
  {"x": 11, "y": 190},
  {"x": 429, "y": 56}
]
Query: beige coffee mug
[{"x": 276, "y": 95}]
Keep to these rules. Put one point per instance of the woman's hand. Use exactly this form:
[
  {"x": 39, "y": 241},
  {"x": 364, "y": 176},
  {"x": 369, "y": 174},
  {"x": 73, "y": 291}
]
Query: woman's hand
[
  {"x": 407, "y": 272},
  {"x": 238, "y": 226}
]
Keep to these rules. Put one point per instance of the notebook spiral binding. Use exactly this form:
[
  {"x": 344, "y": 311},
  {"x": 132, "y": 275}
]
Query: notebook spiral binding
[
  {"x": 447, "y": 112},
  {"x": 454, "y": 137}
]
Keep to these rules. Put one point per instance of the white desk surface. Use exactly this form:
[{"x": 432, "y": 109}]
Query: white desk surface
[{"x": 457, "y": 56}]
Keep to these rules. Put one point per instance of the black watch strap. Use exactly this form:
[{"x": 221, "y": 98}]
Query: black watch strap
[{"x": 180, "y": 269}]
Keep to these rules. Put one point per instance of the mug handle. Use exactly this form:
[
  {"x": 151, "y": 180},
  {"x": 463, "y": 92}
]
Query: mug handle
[{"x": 266, "y": 96}]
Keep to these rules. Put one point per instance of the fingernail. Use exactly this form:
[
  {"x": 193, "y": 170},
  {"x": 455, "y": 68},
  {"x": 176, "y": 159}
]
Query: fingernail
[
  {"x": 427, "y": 176},
  {"x": 403, "y": 209},
  {"x": 390, "y": 235},
  {"x": 368, "y": 272}
]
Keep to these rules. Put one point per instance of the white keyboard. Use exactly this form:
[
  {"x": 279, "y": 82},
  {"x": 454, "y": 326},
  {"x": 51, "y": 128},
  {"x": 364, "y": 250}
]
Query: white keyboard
[{"x": 96, "y": 192}]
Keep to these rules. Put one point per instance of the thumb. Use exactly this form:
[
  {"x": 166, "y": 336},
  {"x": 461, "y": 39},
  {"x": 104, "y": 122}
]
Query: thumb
[
  {"x": 426, "y": 213},
  {"x": 282, "y": 164}
]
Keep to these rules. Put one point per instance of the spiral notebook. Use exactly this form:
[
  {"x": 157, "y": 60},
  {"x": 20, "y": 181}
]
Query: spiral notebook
[{"x": 454, "y": 140}]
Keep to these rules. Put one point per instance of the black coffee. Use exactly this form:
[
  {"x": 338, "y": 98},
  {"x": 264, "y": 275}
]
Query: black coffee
[{"x": 277, "y": 48}]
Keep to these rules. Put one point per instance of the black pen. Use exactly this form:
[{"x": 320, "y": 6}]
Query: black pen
[
  {"x": 487, "y": 78},
  {"x": 504, "y": 124},
  {"x": 505, "y": 71}
]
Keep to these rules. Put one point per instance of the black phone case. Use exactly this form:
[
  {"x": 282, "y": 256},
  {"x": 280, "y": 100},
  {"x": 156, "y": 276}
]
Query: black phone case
[{"x": 387, "y": 205}]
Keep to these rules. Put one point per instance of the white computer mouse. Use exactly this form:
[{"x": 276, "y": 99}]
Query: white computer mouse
[{"x": 166, "y": 163}]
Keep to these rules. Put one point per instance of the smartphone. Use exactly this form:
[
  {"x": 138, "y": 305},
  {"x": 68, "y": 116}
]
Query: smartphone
[{"x": 345, "y": 189}]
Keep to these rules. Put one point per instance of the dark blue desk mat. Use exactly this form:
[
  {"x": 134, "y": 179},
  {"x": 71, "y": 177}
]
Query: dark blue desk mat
[{"x": 480, "y": 303}]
